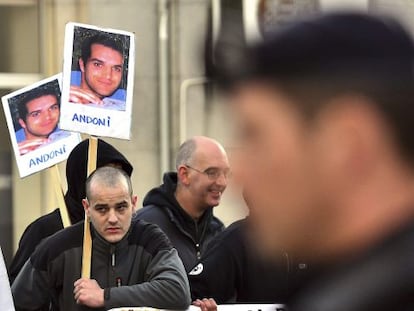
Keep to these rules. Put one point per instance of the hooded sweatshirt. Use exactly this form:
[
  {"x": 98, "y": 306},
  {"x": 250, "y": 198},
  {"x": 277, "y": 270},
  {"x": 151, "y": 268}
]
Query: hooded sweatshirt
[
  {"x": 76, "y": 170},
  {"x": 188, "y": 236}
]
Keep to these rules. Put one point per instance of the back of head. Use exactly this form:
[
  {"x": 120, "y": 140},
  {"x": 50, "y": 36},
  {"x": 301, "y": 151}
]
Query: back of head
[
  {"x": 338, "y": 54},
  {"x": 76, "y": 171},
  {"x": 185, "y": 152}
]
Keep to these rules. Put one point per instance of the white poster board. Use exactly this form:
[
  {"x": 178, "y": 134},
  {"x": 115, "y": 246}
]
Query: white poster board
[
  {"x": 32, "y": 115},
  {"x": 98, "y": 77}
]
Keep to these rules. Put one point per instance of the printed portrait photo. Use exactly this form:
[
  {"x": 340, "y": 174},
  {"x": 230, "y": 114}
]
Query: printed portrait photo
[
  {"x": 33, "y": 115},
  {"x": 36, "y": 117},
  {"x": 98, "y": 73},
  {"x": 99, "y": 68}
]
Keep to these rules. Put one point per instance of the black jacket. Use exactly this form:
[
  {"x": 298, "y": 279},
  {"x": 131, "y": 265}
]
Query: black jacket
[
  {"x": 379, "y": 279},
  {"x": 189, "y": 237},
  {"x": 143, "y": 269},
  {"x": 232, "y": 271},
  {"x": 76, "y": 170}
]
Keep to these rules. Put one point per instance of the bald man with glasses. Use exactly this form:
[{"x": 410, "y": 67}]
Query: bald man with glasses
[{"x": 183, "y": 205}]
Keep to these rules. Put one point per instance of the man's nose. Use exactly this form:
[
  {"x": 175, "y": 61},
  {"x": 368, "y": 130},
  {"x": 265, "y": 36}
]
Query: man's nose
[
  {"x": 222, "y": 180},
  {"x": 48, "y": 115},
  {"x": 112, "y": 218},
  {"x": 107, "y": 71}
]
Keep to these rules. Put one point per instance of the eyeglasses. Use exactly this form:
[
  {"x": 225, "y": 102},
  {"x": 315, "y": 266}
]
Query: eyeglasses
[{"x": 212, "y": 173}]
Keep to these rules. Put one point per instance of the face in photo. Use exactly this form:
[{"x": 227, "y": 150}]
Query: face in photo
[
  {"x": 38, "y": 113},
  {"x": 102, "y": 72},
  {"x": 99, "y": 64},
  {"x": 42, "y": 117}
]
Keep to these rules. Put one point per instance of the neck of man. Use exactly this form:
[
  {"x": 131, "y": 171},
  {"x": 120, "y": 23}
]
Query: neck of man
[
  {"x": 186, "y": 201},
  {"x": 30, "y": 136},
  {"x": 367, "y": 212}
]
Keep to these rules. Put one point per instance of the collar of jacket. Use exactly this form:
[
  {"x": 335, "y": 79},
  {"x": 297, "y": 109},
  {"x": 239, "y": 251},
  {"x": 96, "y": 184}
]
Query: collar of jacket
[{"x": 103, "y": 246}]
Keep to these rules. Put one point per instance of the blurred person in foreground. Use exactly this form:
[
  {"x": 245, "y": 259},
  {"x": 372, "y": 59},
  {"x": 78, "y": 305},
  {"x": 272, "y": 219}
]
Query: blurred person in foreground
[
  {"x": 76, "y": 170},
  {"x": 133, "y": 263},
  {"x": 325, "y": 110},
  {"x": 183, "y": 205}
]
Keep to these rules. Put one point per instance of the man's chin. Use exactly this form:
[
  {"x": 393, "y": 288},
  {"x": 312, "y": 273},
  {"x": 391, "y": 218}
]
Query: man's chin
[
  {"x": 104, "y": 94},
  {"x": 213, "y": 202},
  {"x": 113, "y": 238}
]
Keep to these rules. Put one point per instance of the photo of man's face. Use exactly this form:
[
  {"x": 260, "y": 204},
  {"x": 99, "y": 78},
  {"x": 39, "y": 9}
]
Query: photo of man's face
[
  {"x": 98, "y": 69},
  {"x": 97, "y": 79},
  {"x": 102, "y": 72},
  {"x": 33, "y": 116},
  {"x": 42, "y": 117}
]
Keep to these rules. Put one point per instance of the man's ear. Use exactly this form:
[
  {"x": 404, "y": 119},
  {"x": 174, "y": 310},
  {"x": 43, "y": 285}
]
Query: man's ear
[
  {"x": 134, "y": 200},
  {"x": 86, "y": 206},
  {"x": 354, "y": 132},
  {"x": 81, "y": 65},
  {"x": 22, "y": 123},
  {"x": 182, "y": 175}
]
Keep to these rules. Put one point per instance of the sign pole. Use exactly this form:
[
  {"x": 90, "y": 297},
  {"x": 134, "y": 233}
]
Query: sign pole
[
  {"x": 87, "y": 239},
  {"x": 56, "y": 181}
]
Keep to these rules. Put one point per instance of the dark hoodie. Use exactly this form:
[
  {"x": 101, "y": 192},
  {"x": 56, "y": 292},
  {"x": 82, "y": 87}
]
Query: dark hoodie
[
  {"x": 76, "y": 170},
  {"x": 189, "y": 237}
]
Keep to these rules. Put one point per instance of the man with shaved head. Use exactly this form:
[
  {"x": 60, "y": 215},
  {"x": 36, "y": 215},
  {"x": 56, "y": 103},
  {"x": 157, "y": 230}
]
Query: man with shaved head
[
  {"x": 133, "y": 262},
  {"x": 183, "y": 205}
]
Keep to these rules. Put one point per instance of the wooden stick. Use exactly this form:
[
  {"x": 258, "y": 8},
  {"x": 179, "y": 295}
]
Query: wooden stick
[
  {"x": 92, "y": 154},
  {"x": 57, "y": 185},
  {"x": 87, "y": 239}
]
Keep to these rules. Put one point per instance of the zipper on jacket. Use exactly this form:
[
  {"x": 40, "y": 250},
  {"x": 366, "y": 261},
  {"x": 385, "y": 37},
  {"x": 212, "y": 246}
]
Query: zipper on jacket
[
  {"x": 111, "y": 274},
  {"x": 198, "y": 250},
  {"x": 200, "y": 238},
  {"x": 111, "y": 271}
]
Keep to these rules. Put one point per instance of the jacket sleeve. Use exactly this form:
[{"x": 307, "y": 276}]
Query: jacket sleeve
[
  {"x": 31, "y": 238},
  {"x": 166, "y": 286},
  {"x": 30, "y": 289},
  {"x": 27, "y": 244}
]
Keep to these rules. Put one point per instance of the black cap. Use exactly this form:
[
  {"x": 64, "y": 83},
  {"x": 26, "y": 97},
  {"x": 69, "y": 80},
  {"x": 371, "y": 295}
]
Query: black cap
[{"x": 331, "y": 44}]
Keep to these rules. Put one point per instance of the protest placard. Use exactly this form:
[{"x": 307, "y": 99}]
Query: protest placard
[
  {"x": 98, "y": 75},
  {"x": 32, "y": 115}
]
